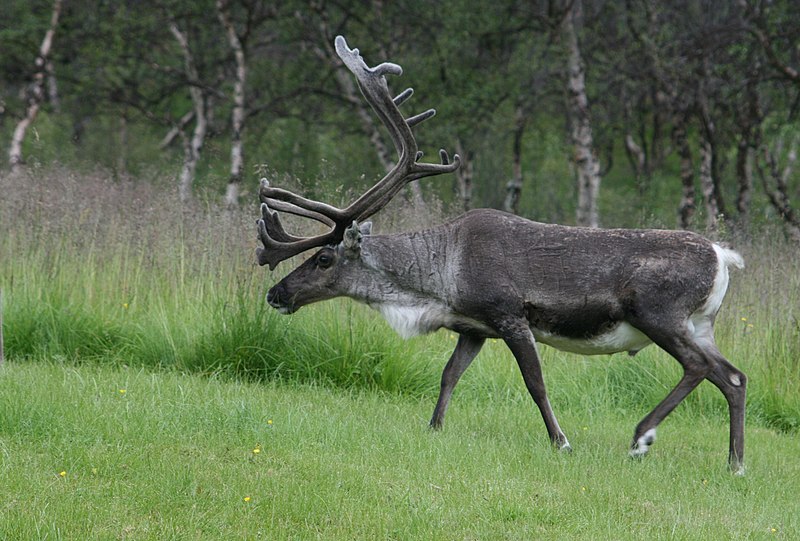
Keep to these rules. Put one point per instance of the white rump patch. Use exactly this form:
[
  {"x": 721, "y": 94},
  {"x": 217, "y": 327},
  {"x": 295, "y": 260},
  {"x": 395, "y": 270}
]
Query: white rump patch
[{"x": 700, "y": 322}]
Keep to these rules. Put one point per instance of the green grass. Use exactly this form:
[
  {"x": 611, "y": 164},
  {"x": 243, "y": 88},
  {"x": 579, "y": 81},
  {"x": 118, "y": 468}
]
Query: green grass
[
  {"x": 108, "y": 286},
  {"x": 172, "y": 457}
]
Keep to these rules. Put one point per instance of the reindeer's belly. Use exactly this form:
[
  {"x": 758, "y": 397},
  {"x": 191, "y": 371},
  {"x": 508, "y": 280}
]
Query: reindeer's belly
[{"x": 621, "y": 337}]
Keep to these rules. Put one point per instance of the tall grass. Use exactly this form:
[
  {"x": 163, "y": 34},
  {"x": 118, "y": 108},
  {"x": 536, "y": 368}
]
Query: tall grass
[{"x": 117, "y": 272}]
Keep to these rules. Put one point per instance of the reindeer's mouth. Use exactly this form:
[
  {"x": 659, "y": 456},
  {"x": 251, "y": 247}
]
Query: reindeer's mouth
[
  {"x": 285, "y": 310},
  {"x": 276, "y": 297}
]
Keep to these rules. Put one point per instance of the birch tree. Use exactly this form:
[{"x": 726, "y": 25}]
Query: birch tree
[
  {"x": 35, "y": 92},
  {"x": 586, "y": 163},
  {"x": 192, "y": 146},
  {"x": 239, "y": 103},
  {"x": 514, "y": 186}
]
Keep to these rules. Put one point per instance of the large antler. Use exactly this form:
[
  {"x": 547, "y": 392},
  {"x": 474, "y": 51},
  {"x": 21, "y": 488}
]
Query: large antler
[{"x": 280, "y": 245}]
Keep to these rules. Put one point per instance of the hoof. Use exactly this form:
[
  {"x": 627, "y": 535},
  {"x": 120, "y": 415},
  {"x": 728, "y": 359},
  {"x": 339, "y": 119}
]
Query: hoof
[
  {"x": 642, "y": 445},
  {"x": 565, "y": 448},
  {"x": 737, "y": 470}
]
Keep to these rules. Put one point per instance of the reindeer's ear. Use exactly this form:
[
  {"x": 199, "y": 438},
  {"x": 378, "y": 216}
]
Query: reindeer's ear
[
  {"x": 352, "y": 240},
  {"x": 366, "y": 228}
]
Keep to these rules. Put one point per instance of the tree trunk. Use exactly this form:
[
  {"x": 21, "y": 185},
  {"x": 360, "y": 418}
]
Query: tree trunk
[
  {"x": 708, "y": 187},
  {"x": 749, "y": 139},
  {"x": 514, "y": 186},
  {"x": 587, "y": 165},
  {"x": 35, "y": 92},
  {"x": 687, "y": 205},
  {"x": 239, "y": 102},
  {"x": 192, "y": 147},
  {"x": 121, "y": 165},
  {"x": 176, "y": 130},
  {"x": 778, "y": 189},
  {"x": 52, "y": 88},
  {"x": 744, "y": 175},
  {"x": 709, "y": 153},
  {"x": 464, "y": 175},
  {"x": 638, "y": 159}
]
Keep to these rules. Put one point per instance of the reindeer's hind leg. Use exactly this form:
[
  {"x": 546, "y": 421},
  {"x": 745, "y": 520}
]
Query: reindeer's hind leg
[
  {"x": 700, "y": 358},
  {"x": 466, "y": 350},
  {"x": 733, "y": 384}
]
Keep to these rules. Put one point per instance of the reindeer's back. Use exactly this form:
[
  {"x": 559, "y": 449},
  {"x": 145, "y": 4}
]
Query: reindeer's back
[{"x": 507, "y": 259}]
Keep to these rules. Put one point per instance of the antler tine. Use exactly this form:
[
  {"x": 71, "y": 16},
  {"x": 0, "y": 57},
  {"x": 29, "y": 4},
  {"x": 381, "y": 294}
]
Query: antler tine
[
  {"x": 373, "y": 86},
  {"x": 275, "y": 251},
  {"x": 424, "y": 170},
  {"x": 280, "y": 245},
  {"x": 403, "y": 96},
  {"x": 422, "y": 117},
  {"x": 313, "y": 208}
]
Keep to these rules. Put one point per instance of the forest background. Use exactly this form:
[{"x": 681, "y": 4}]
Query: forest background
[{"x": 623, "y": 113}]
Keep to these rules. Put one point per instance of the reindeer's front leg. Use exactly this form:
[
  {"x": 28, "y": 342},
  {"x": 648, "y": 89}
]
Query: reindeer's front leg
[
  {"x": 523, "y": 346},
  {"x": 466, "y": 350}
]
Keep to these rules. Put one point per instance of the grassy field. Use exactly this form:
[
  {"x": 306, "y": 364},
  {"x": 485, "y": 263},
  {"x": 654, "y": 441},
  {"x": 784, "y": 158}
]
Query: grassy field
[
  {"x": 149, "y": 393},
  {"x": 93, "y": 452}
]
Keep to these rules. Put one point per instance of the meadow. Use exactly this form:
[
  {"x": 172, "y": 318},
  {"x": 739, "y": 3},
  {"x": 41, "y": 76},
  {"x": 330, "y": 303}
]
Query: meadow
[{"x": 149, "y": 393}]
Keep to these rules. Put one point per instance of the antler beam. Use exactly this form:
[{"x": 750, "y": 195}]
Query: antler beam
[{"x": 280, "y": 245}]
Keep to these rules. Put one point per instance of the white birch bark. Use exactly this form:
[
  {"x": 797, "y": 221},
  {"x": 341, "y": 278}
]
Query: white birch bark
[
  {"x": 192, "y": 147},
  {"x": 514, "y": 186},
  {"x": 464, "y": 174},
  {"x": 239, "y": 102},
  {"x": 36, "y": 91},
  {"x": 587, "y": 165}
]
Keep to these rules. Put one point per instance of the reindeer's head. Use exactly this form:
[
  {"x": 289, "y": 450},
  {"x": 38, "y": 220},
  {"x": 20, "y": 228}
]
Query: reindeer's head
[
  {"x": 323, "y": 276},
  {"x": 329, "y": 273}
]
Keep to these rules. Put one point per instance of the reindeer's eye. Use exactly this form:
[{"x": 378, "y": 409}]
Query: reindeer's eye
[{"x": 325, "y": 260}]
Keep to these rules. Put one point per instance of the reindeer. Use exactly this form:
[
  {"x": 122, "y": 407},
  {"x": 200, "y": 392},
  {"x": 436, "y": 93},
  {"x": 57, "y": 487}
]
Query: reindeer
[{"x": 488, "y": 274}]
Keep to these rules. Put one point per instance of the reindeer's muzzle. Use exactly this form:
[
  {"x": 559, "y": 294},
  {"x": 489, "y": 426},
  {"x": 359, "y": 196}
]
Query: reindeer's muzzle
[{"x": 278, "y": 298}]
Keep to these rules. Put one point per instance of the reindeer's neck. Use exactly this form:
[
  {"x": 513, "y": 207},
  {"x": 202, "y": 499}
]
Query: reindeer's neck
[
  {"x": 409, "y": 280},
  {"x": 418, "y": 263}
]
